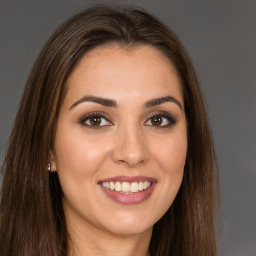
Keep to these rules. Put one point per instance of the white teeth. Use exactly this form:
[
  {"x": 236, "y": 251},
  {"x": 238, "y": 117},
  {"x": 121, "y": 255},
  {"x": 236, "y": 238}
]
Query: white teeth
[
  {"x": 126, "y": 187},
  {"x": 111, "y": 185},
  {"x": 118, "y": 187},
  {"x": 105, "y": 184},
  {"x": 141, "y": 187},
  {"x": 134, "y": 187}
]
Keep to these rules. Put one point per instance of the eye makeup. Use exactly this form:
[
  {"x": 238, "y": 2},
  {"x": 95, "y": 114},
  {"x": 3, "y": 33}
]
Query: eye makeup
[
  {"x": 161, "y": 119},
  {"x": 98, "y": 120},
  {"x": 95, "y": 120}
]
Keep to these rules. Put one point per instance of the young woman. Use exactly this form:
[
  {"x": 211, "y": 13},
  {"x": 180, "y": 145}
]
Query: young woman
[{"x": 111, "y": 152}]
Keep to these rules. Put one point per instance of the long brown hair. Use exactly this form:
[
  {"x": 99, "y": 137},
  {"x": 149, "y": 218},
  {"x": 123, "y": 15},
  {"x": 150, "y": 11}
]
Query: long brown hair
[{"x": 32, "y": 221}]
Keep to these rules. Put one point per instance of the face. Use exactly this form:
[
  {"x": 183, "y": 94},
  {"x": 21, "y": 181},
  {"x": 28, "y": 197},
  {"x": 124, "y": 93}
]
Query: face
[{"x": 120, "y": 143}]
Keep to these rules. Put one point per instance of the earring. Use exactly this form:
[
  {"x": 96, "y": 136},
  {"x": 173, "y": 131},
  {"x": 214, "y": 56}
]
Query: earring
[{"x": 49, "y": 167}]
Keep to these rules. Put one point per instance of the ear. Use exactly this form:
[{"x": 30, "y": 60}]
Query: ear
[{"x": 52, "y": 162}]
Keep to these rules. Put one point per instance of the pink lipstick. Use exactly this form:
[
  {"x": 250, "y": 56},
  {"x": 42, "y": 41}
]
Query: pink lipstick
[{"x": 128, "y": 190}]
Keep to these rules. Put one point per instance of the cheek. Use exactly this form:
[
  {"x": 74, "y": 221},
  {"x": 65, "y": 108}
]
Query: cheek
[
  {"x": 171, "y": 154},
  {"x": 78, "y": 158},
  {"x": 78, "y": 154}
]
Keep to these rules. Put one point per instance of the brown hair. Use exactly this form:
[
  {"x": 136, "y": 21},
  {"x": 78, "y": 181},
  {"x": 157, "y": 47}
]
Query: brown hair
[{"x": 32, "y": 221}]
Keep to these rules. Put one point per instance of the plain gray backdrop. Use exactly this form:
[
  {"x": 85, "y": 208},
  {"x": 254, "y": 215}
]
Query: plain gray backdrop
[{"x": 221, "y": 39}]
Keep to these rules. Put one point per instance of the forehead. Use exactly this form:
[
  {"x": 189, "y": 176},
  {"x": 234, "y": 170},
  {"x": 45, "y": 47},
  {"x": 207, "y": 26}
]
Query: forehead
[{"x": 113, "y": 71}]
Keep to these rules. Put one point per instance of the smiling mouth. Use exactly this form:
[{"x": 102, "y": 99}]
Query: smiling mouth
[
  {"x": 128, "y": 190},
  {"x": 126, "y": 187}
]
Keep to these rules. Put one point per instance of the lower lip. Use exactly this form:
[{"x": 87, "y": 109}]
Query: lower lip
[{"x": 134, "y": 198}]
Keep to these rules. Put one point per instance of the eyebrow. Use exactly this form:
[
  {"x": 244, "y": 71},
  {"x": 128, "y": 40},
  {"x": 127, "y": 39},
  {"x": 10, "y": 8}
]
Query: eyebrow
[
  {"x": 99, "y": 100},
  {"x": 158, "y": 101},
  {"x": 112, "y": 103}
]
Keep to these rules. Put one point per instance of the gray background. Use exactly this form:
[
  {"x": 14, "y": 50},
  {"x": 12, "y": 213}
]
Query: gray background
[{"x": 221, "y": 39}]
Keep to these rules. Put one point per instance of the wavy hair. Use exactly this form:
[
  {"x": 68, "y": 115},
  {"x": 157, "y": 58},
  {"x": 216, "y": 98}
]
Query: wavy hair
[{"x": 32, "y": 221}]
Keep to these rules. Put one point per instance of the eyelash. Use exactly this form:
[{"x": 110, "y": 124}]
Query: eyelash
[
  {"x": 86, "y": 118},
  {"x": 163, "y": 115}
]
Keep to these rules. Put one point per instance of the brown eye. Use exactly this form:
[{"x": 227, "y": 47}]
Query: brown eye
[
  {"x": 161, "y": 120},
  {"x": 156, "y": 120},
  {"x": 95, "y": 121}
]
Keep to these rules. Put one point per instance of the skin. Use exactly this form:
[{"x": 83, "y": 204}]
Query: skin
[{"x": 127, "y": 142}]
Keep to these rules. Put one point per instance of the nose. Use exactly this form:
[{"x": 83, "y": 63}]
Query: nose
[{"x": 130, "y": 148}]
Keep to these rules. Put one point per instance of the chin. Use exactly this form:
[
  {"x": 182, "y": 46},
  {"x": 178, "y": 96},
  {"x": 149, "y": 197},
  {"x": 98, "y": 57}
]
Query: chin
[
  {"x": 130, "y": 225},
  {"x": 131, "y": 230}
]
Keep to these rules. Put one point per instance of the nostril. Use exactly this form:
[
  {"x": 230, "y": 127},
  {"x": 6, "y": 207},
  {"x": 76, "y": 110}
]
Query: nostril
[
  {"x": 131, "y": 162},
  {"x": 130, "y": 147},
  {"x": 129, "y": 158}
]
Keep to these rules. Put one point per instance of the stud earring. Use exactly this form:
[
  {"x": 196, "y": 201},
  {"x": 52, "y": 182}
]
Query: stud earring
[{"x": 49, "y": 167}]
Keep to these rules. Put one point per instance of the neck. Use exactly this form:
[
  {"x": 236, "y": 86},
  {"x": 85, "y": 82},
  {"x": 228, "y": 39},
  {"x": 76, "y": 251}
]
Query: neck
[{"x": 89, "y": 241}]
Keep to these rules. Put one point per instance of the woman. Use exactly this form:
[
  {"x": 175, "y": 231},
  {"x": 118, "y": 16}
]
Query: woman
[{"x": 111, "y": 152}]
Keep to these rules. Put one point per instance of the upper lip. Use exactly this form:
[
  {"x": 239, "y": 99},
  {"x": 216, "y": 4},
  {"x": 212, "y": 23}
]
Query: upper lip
[{"x": 129, "y": 179}]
